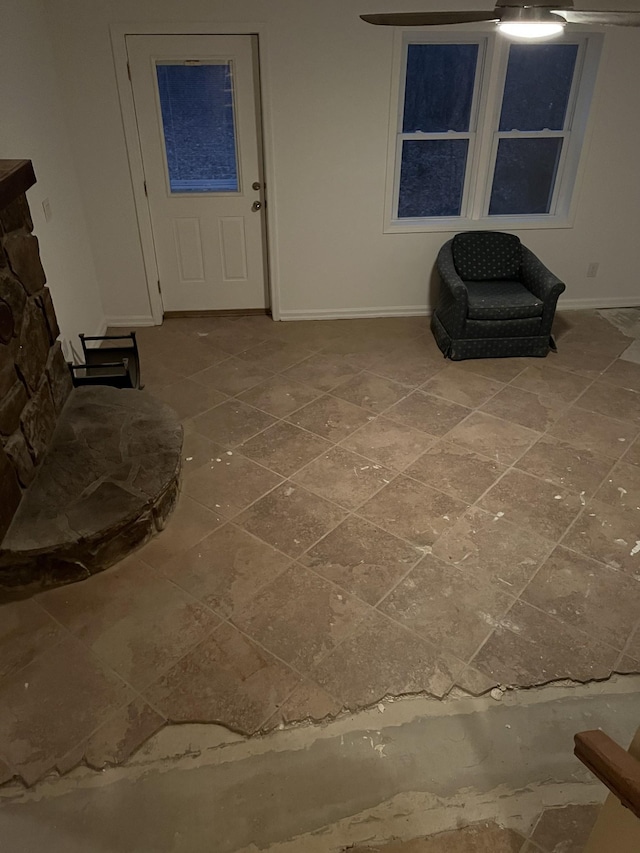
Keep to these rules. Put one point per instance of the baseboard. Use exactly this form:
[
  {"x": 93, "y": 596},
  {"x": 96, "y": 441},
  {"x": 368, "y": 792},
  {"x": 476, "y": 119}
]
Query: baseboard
[
  {"x": 568, "y": 304},
  {"x": 356, "y": 313},
  {"x": 598, "y": 302},
  {"x": 222, "y": 312},
  {"x": 122, "y": 322}
]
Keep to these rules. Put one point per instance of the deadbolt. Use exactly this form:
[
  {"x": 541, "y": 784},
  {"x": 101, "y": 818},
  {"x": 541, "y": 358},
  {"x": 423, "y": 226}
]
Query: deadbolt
[
  {"x": 257, "y": 205},
  {"x": 256, "y": 185}
]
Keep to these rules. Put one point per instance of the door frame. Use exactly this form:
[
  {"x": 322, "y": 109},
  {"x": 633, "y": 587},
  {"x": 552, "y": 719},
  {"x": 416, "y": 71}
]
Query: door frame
[{"x": 119, "y": 32}]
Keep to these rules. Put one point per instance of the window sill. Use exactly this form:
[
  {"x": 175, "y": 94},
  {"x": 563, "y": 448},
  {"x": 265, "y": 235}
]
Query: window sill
[{"x": 495, "y": 223}]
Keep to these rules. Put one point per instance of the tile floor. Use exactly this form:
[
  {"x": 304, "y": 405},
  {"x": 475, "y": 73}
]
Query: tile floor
[
  {"x": 555, "y": 830},
  {"x": 358, "y": 518}
]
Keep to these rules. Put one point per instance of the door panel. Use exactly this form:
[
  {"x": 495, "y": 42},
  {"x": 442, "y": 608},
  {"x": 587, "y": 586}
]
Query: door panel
[
  {"x": 189, "y": 249},
  {"x": 234, "y": 248},
  {"x": 196, "y": 108}
]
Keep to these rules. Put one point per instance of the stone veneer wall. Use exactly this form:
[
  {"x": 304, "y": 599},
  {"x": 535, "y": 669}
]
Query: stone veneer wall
[{"x": 34, "y": 378}]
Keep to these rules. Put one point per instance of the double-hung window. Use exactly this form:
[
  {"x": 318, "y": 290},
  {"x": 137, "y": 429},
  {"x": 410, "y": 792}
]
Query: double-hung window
[{"x": 489, "y": 131}]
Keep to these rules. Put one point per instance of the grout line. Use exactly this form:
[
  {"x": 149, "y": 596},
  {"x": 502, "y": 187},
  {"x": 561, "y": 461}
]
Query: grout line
[
  {"x": 410, "y": 391},
  {"x": 139, "y": 552},
  {"x": 441, "y": 438},
  {"x": 625, "y": 649},
  {"x": 292, "y": 667},
  {"x": 322, "y": 655},
  {"x": 402, "y": 471},
  {"x": 512, "y": 466},
  {"x": 348, "y": 515},
  {"x": 560, "y": 538},
  {"x": 335, "y": 584},
  {"x": 88, "y": 647},
  {"x": 16, "y": 672},
  {"x": 109, "y": 712},
  {"x": 164, "y": 671}
]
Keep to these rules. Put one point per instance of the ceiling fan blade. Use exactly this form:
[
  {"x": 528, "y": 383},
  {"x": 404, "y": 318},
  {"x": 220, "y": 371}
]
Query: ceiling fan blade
[
  {"x": 428, "y": 19},
  {"x": 618, "y": 19}
]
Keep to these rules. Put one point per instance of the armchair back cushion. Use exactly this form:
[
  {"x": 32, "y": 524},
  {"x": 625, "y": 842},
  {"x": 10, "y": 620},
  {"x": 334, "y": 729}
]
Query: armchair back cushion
[{"x": 487, "y": 256}]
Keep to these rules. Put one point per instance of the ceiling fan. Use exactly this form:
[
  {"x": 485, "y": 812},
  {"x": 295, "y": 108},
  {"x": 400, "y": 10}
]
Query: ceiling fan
[{"x": 529, "y": 18}]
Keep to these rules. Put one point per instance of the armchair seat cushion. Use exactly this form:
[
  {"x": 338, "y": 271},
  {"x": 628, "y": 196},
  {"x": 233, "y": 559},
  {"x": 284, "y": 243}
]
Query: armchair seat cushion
[{"x": 501, "y": 300}]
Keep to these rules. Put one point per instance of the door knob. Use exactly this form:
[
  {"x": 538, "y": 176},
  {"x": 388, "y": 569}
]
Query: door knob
[
  {"x": 256, "y": 185},
  {"x": 257, "y": 205}
]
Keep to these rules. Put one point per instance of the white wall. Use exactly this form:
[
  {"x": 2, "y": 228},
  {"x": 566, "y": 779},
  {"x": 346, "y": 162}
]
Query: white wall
[
  {"x": 32, "y": 127},
  {"x": 328, "y": 77}
]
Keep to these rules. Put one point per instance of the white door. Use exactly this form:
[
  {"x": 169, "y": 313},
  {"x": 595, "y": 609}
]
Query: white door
[{"x": 198, "y": 123}]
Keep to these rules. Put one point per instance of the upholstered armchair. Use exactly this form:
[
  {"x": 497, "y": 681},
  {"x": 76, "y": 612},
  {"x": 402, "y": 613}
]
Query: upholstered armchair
[{"x": 496, "y": 298}]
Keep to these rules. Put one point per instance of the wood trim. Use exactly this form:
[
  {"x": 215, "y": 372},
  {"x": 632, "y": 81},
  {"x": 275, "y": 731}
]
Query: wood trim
[
  {"x": 612, "y": 764},
  {"x": 16, "y": 176},
  {"x": 357, "y": 313},
  {"x": 223, "y": 312}
]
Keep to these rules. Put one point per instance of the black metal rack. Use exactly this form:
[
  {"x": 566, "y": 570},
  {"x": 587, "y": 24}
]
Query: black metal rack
[{"x": 110, "y": 363}]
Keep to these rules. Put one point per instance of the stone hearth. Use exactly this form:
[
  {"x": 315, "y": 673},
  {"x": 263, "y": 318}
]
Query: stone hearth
[
  {"x": 108, "y": 481},
  {"x": 86, "y": 475}
]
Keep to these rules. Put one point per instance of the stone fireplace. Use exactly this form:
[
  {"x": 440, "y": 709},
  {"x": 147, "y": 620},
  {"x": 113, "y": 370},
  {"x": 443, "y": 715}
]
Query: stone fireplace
[
  {"x": 87, "y": 474},
  {"x": 34, "y": 378}
]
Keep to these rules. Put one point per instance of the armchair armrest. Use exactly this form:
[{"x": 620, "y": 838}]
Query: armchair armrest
[
  {"x": 540, "y": 280},
  {"x": 450, "y": 278},
  {"x": 453, "y": 300},
  {"x": 543, "y": 284}
]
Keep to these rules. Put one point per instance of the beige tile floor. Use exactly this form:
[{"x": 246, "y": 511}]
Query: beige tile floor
[{"x": 358, "y": 518}]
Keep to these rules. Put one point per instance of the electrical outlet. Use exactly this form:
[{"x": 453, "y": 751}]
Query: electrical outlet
[
  {"x": 46, "y": 206},
  {"x": 592, "y": 269}
]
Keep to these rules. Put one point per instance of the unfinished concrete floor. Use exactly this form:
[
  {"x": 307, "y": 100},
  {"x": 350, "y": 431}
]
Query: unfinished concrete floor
[
  {"x": 421, "y": 768},
  {"x": 359, "y": 518}
]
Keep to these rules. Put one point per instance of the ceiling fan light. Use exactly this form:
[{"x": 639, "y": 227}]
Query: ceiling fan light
[
  {"x": 529, "y": 30},
  {"x": 530, "y": 22}
]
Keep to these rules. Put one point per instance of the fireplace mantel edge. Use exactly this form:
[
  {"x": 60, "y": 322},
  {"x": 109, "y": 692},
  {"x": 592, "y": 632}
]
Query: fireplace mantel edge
[{"x": 16, "y": 176}]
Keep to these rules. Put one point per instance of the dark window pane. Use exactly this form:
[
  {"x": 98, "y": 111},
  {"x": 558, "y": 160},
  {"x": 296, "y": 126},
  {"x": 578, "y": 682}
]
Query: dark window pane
[
  {"x": 432, "y": 177},
  {"x": 525, "y": 175},
  {"x": 537, "y": 87},
  {"x": 199, "y": 135},
  {"x": 439, "y": 87}
]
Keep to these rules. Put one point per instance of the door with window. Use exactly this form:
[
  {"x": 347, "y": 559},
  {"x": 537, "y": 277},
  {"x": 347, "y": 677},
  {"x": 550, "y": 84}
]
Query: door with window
[{"x": 197, "y": 111}]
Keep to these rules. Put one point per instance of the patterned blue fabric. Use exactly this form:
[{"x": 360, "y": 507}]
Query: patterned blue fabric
[
  {"x": 501, "y": 300},
  {"x": 486, "y": 255},
  {"x": 538, "y": 279},
  {"x": 502, "y": 328}
]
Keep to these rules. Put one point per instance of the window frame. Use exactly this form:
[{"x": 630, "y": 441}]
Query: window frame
[
  {"x": 474, "y": 119},
  {"x": 198, "y": 62},
  {"x": 491, "y": 70}
]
